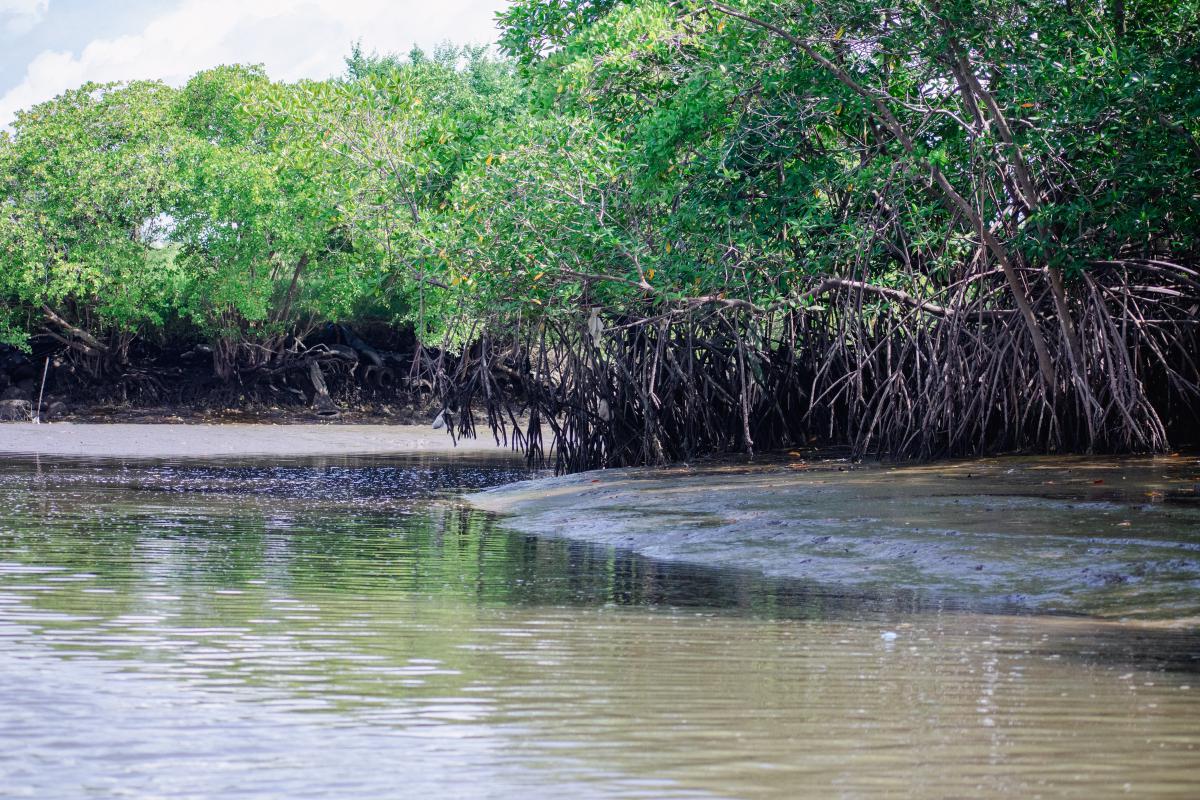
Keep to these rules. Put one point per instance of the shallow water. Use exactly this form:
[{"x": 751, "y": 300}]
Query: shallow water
[
  {"x": 339, "y": 628},
  {"x": 1107, "y": 537}
]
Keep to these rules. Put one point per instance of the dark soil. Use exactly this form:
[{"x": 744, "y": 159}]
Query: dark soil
[{"x": 178, "y": 384}]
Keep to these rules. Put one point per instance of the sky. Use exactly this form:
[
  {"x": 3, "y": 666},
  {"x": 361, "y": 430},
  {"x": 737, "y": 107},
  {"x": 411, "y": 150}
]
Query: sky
[{"x": 49, "y": 46}]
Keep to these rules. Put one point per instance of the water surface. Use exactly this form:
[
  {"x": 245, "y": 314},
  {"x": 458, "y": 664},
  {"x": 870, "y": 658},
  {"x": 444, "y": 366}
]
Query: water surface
[
  {"x": 1117, "y": 538},
  {"x": 339, "y": 628}
]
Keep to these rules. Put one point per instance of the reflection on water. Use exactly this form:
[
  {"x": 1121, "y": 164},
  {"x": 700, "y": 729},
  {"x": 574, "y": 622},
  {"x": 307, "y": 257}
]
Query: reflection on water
[{"x": 323, "y": 629}]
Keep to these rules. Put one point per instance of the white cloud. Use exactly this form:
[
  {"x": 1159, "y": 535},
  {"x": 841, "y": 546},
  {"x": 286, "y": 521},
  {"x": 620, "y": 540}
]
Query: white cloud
[
  {"x": 20, "y": 16},
  {"x": 293, "y": 38}
]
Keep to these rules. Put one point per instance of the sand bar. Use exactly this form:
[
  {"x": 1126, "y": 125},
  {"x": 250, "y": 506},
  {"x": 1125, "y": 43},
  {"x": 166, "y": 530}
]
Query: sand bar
[
  {"x": 118, "y": 440},
  {"x": 1111, "y": 537}
]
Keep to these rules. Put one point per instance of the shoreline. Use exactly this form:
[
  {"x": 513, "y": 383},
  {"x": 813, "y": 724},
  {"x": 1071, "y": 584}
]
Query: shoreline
[
  {"x": 230, "y": 440},
  {"x": 1115, "y": 538}
]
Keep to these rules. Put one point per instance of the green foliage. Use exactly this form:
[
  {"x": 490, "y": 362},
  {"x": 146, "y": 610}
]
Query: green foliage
[
  {"x": 259, "y": 238},
  {"x": 532, "y": 28},
  {"x": 84, "y": 179},
  {"x": 626, "y": 154},
  {"x": 532, "y": 215},
  {"x": 391, "y": 142},
  {"x": 747, "y": 166},
  {"x": 249, "y": 210}
]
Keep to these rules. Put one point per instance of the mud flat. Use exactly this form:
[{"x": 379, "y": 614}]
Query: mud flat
[
  {"x": 228, "y": 440},
  {"x": 1112, "y": 537}
]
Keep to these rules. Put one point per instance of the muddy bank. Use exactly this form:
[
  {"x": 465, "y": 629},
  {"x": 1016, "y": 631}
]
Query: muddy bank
[
  {"x": 1116, "y": 538},
  {"x": 224, "y": 440},
  {"x": 177, "y": 382}
]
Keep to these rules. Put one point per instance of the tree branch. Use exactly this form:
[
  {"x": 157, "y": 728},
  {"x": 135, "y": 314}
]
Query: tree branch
[{"x": 78, "y": 333}]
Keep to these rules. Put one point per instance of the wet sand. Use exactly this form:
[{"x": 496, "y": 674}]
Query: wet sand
[
  {"x": 1112, "y": 537},
  {"x": 119, "y": 440}
]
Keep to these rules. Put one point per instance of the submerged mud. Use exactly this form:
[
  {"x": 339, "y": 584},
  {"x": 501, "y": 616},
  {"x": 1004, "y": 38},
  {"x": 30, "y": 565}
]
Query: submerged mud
[{"x": 1115, "y": 538}]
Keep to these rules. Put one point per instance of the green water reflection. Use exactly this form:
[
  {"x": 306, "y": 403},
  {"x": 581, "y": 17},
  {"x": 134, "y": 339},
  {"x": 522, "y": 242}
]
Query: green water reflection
[{"x": 339, "y": 628}]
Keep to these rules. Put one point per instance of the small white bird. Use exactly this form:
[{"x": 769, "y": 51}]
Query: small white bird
[
  {"x": 439, "y": 421},
  {"x": 889, "y": 636}
]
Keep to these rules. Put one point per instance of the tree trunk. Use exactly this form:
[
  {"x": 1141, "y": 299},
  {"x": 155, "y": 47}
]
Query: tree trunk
[{"x": 322, "y": 403}]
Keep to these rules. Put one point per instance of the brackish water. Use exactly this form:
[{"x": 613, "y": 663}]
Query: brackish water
[{"x": 341, "y": 628}]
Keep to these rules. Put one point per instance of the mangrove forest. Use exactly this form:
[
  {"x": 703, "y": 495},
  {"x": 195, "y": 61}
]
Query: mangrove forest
[{"x": 643, "y": 231}]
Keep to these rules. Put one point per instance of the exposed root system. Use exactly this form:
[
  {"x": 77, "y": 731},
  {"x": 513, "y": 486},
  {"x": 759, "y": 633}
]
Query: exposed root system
[{"x": 923, "y": 379}]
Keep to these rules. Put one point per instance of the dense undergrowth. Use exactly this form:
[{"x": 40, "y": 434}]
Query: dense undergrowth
[{"x": 659, "y": 229}]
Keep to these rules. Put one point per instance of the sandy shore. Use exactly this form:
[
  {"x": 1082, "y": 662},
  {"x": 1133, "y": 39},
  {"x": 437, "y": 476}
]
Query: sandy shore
[
  {"x": 1117, "y": 538},
  {"x": 228, "y": 440}
]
